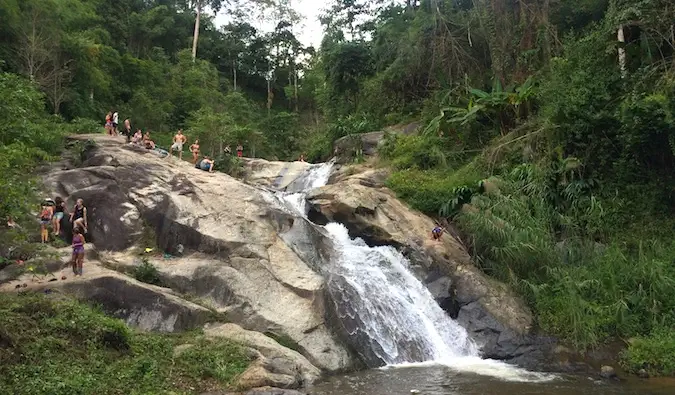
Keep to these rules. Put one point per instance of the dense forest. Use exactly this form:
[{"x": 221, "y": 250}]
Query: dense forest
[{"x": 547, "y": 137}]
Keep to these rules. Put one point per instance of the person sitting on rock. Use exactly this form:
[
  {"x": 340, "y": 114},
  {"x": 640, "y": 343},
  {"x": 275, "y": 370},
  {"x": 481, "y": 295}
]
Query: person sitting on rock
[
  {"x": 436, "y": 233},
  {"x": 79, "y": 216},
  {"x": 147, "y": 141},
  {"x": 59, "y": 210},
  {"x": 138, "y": 137},
  {"x": 206, "y": 164}
]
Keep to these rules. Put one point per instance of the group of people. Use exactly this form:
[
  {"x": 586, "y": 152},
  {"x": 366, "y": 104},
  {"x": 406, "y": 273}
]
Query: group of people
[
  {"x": 52, "y": 212},
  {"x": 179, "y": 140}
]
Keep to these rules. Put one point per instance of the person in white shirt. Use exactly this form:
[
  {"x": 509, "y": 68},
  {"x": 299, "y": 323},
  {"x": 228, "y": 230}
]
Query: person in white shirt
[{"x": 115, "y": 121}]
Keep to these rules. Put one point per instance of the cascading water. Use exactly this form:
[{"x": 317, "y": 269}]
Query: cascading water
[{"x": 383, "y": 307}]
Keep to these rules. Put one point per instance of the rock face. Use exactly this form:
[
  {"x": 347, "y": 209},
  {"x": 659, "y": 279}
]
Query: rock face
[
  {"x": 272, "y": 174},
  {"x": 347, "y": 148},
  {"x": 144, "y": 306},
  {"x": 274, "y": 366},
  {"x": 232, "y": 237},
  {"x": 497, "y": 319}
]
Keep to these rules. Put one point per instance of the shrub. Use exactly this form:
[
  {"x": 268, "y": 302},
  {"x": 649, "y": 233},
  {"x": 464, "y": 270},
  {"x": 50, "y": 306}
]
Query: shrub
[
  {"x": 654, "y": 353},
  {"x": 83, "y": 126},
  {"x": 428, "y": 191},
  {"x": 146, "y": 272},
  {"x": 229, "y": 164},
  {"x": 61, "y": 347}
]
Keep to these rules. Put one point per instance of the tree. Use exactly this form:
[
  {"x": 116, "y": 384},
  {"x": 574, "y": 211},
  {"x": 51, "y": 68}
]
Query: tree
[{"x": 40, "y": 51}]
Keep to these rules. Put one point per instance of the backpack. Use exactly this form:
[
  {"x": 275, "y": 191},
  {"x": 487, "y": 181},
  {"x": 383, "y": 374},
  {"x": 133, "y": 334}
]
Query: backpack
[{"x": 46, "y": 214}]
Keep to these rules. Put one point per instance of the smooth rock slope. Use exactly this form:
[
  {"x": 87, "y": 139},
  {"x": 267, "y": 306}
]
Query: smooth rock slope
[{"x": 234, "y": 254}]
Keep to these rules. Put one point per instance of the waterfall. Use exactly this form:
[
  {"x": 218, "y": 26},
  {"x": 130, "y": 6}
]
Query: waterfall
[
  {"x": 393, "y": 315},
  {"x": 388, "y": 315}
]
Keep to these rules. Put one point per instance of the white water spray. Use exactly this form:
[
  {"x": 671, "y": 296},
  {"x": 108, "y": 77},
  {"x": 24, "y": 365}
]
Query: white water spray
[{"x": 387, "y": 307}]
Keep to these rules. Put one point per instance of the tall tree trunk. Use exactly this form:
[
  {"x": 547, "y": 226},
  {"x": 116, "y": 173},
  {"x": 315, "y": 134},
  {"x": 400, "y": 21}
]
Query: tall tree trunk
[
  {"x": 295, "y": 83},
  {"x": 622, "y": 52},
  {"x": 234, "y": 73},
  {"x": 270, "y": 96},
  {"x": 196, "y": 34}
]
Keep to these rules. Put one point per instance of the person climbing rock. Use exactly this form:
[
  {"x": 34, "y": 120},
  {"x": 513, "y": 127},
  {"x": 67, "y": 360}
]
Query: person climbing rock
[
  {"x": 437, "y": 232},
  {"x": 194, "y": 148},
  {"x": 79, "y": 216},
  {"x": 240, "y": 150},
  {"x": 206, "y": 164},
  {"x": 178, "y": 140},
  {"x": 78, "y": 252},
  {"x": 46, "y": 214},
  {"x": 59, "y": 210}
]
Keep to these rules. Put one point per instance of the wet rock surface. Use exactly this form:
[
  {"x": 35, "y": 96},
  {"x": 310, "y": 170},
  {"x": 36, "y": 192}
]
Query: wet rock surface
[{"x": 496, "y": 318}]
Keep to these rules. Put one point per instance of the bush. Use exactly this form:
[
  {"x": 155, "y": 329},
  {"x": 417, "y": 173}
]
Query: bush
[
  {"x": 654, "y": 353},
  {"x": 229, "y": 164},
  {"x": 146, "y": 272},
  {"x": 83, "y": 126},
  {"x": 62, "y": 347},
  {"x": 428, "y": 191}
]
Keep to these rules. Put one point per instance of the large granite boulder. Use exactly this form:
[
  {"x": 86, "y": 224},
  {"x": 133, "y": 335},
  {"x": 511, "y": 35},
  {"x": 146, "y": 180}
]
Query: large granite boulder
[
  {"x": 141, "y": 305},
  {"x": 274, "y": 365},
  {"x": 246, "y": 262},
  {"x": 272, "y": 174},
  {"x": 496, "y": 318}
]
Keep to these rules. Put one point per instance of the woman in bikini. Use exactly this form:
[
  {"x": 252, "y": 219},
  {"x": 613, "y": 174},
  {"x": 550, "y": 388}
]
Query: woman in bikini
[
  {"x": 108, "y": 123},
  {"x": 78, "y": 252},
  {"x": 194, "y": 148}
]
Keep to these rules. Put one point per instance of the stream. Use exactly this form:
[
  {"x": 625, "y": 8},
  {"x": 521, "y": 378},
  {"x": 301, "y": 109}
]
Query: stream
[
  {"x": 442, "y": 380},
  {"x": 392, "y": 320}
]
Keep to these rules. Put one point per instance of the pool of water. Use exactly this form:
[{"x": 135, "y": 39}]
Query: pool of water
[{"x": 441, "y": 380}]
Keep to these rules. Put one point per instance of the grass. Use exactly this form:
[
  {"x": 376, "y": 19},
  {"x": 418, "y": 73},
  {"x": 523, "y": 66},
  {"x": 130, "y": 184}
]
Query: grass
[
  {"x": 654, "y": 353},
  {"x": 59, "y": 346},
  {"x": 593, "y": 265}
]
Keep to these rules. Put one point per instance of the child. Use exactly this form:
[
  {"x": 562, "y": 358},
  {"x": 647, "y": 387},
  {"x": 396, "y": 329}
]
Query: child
[
  {"x": 437, "y": 232},
  {"x": 78, "y": 251},
  {"x": 45, "y": 218}
]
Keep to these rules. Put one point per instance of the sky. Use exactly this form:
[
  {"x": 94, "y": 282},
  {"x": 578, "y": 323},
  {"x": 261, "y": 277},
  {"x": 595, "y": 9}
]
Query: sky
[{"x": 309, "y": 31}]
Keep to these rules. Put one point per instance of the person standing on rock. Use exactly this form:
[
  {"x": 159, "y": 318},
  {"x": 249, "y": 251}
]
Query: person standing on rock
[
  {"x": 240, "y": 150},
  {"x": 115, "y": 122},
  {"x": 127, "y": 130},
  {"x": 79, "y": 216},
  {"x": 78, "y": 252},
  {"x": 178, "y": 140},
  {"x": 108, "y": 123},
  {"x": 194, "y": 148},
  {"x": 46, "y": 214}
]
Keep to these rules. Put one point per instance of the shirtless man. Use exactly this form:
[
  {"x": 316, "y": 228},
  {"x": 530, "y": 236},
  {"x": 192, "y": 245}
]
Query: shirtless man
[
  {"x": 127, "y": 129},
  {"x": 178, "y": 140}
]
